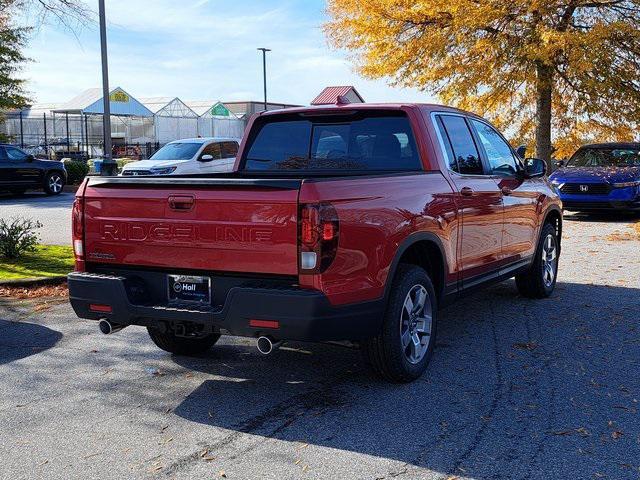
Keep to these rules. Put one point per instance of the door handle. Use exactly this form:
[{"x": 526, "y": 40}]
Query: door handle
[
  {"x": 181, "y": 203},
  {"x": 506, "y": 191},
  {"x": 466, "y": 191}
]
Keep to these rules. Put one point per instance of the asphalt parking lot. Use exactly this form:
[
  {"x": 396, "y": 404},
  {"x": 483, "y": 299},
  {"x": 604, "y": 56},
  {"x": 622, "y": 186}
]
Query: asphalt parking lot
[
  {"x": 54, "y": 212},
  {"x": 517, "y": 389}
]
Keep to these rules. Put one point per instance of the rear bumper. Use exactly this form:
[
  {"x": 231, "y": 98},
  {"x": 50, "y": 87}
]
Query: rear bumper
[{"x": 304, "y": 315}]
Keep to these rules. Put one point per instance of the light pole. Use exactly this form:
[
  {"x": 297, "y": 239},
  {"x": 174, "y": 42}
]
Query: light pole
[
  {"x": 108, "y": 165},
  {"x": 264, "y": 72}
]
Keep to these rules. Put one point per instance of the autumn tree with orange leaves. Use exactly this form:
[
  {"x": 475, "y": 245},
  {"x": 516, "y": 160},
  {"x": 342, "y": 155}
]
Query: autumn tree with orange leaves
[{"x": 562, "y": 72}]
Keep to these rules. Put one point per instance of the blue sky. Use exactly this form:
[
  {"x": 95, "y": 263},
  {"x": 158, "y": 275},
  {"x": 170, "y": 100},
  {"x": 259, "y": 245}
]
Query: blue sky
[{"x": 201, "y": 50}]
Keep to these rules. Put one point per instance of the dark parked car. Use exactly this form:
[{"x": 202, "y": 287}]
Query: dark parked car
[
  {"x": 20, "y": 171},
  {"x": 604, "y": 176}
]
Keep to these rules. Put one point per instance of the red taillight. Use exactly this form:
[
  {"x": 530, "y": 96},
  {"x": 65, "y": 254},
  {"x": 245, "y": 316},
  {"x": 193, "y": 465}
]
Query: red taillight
[
  {"x": 76, "y": 212},
  {"x": 307, "y": 236},
  {"x": 77, "y": 227},
  {"x": 319, "y": 229},
  {"x": 255, "y": 323},
  {"x": 328, "y": 231},
  {"x": 98, "y": 307}
]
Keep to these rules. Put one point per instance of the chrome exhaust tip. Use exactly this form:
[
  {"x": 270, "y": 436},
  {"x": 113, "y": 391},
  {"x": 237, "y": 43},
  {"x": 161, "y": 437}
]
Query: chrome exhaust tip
[
  {"x": 266, "y": 345},
  {"x": 107, "y": 328}
]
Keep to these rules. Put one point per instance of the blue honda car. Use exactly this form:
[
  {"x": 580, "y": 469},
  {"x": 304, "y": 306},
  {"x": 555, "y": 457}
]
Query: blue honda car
[{"x": 604, "y": 176}]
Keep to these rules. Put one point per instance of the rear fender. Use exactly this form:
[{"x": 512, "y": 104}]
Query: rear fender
[{"x": 412, "y": 239}]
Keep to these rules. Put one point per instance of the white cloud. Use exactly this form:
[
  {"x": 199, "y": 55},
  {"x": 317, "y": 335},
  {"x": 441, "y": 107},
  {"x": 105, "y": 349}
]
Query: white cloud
[{"x": 201, "y": 50}]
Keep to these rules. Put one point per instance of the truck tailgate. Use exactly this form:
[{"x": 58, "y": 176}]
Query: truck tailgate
[{"x": 226, "y": 224}]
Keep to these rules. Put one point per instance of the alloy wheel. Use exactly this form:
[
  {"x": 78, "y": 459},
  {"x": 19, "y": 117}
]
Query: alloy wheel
[
  {"x": 415, "y": 324},
  {"x": 55, "y": 183},
  {"x": 549, "y": 260}
]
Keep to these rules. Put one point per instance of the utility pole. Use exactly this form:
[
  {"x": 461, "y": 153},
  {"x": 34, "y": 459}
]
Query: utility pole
[
  {"x": 264, "y": 72},
  {"x": 109, "y": 166}
]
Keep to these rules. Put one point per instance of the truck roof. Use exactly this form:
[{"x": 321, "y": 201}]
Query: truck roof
[{"x": 369, "y": 106}]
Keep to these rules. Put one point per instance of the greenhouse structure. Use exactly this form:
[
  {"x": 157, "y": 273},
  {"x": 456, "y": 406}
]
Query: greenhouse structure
[
  {"x": 216, "y": 120},
  {"x": 141, "y": 125},
  {"x": 173, "y": 119}
]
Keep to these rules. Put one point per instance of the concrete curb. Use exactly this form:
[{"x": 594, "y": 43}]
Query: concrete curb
[{"x": 34, "y": 282}]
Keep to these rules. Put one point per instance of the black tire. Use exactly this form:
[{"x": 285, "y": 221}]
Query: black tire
[
  {"x": 534, "y": 283},
  {"x": 168, "y": 342},
  {"x": 53, "y": 183},
  {"x": 385, "y": 353}
]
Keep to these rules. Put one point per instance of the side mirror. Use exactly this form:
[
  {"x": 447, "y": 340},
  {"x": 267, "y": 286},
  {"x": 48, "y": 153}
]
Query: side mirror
[
  {"x": 522, "y": 151},
  {"x": 534, "y": 167},
  {"x": 205, "y": 158},
  {"x": 30, "y": 158},
  {"x": 560, "y": 163}
]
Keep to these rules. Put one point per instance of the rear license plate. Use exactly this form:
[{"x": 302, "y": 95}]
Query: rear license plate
[{"x": 187, "y": 288}]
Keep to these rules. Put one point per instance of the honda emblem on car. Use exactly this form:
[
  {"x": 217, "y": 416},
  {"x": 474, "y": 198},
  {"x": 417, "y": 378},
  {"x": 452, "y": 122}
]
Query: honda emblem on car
[{"x": 584, "y": 188}]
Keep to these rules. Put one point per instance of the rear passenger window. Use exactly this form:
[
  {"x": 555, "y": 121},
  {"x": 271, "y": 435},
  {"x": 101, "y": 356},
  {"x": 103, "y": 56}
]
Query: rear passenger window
[
  {"x": 499, "y": 153},
  {"x": 451, "y": 158},
  {"x": 463, "y": 147}
]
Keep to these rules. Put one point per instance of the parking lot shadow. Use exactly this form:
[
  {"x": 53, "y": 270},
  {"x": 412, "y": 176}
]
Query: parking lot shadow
[
  {"x": 38, "y": 200},
  {"x": 516, "y": 389},
  {"x": 21, "y": 339}
]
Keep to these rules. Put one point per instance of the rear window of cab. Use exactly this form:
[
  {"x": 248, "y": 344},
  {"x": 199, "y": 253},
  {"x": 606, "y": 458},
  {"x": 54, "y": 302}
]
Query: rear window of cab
[{"x": 362, "y": 141}]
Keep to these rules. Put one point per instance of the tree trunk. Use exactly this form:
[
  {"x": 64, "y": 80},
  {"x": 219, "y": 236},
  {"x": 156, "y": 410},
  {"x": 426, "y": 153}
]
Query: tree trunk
[{"x": 544, "y": 90}]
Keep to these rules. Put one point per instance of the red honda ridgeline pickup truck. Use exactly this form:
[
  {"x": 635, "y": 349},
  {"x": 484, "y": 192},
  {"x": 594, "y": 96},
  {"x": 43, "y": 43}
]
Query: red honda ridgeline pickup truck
[{"x": 343, "y": 222}]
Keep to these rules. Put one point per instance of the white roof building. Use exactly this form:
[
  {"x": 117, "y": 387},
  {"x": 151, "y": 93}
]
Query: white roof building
[{"x": 168, "y": 107}]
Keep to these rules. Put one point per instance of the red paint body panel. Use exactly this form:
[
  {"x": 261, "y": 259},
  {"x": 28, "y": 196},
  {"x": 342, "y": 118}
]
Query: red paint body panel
[
  {"x": 227, "y": 229},
  {"x": 376, "y": 215},
  {"x": 255, "y": 230}
]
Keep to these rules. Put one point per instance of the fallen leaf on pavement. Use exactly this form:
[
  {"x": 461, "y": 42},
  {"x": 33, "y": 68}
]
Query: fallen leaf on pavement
[{"x": 35, "y": 292}]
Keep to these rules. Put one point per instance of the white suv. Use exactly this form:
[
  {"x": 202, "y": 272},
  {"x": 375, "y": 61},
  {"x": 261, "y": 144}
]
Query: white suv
[{"x": 187, "y": 157}]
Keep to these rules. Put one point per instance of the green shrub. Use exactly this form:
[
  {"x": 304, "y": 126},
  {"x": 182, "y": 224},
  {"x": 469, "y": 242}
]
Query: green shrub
[
  {"x": 122, "y": 162},
  {"x": 76, "y": 171},
  {"x": 18, "y": 236}
]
